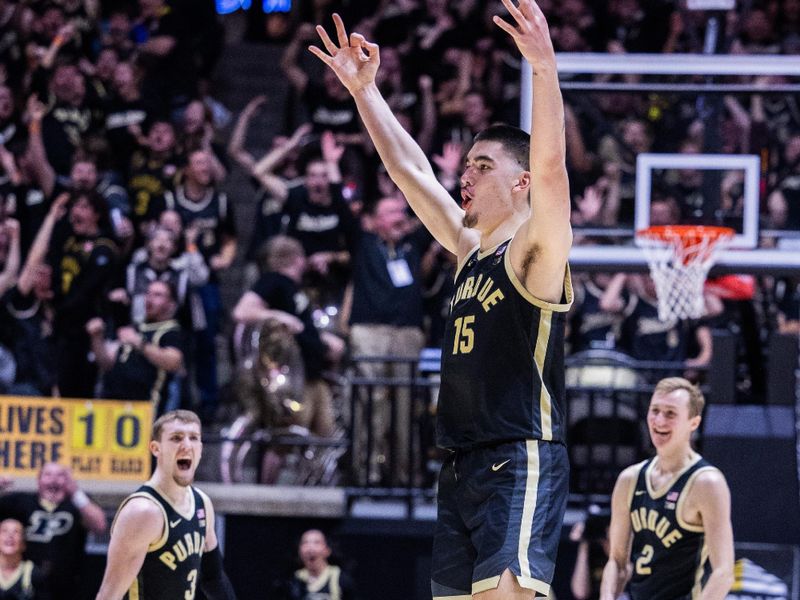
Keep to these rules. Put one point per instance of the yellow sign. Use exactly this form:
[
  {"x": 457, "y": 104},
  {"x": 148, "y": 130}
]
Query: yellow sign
[{"x": 97, "y": 439}]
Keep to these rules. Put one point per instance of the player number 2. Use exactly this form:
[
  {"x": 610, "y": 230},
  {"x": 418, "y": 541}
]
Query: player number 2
[
  {"x": 644, "y": 560},
  {"x": 192, "y": 579},
  {"x": 464, "y": 339}
]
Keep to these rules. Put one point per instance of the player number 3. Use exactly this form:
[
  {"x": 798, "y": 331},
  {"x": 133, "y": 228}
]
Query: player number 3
[{"x": 192, "y": 579}]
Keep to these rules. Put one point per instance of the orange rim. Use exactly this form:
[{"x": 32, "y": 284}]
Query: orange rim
[{"x": 687, "y": 234}]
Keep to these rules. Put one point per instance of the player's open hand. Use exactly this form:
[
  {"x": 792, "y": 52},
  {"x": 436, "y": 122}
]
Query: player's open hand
[
  {"x": 355, "y": 60},
  {"x": 530, "y": 32}
]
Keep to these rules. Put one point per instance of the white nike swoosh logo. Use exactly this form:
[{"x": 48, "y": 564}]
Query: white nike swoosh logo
[
  {"x": 498, "y": 466},
  {"x": 638, "y": 492},
  {"x": 173, "y": 523}
]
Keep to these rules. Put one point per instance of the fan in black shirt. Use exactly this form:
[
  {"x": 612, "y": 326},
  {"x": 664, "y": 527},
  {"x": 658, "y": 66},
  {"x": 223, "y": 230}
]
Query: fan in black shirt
[
  {"x": 57, "y": 519},
  {"x": 277, "y": 295}
]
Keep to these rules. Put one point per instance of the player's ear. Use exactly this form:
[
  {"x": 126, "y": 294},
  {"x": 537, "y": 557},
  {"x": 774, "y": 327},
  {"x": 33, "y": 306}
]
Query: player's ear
[
  {"x": 522, "y": 182},
  {"x": 155, "y": 448},
  {"x": 694, "y": 422}
]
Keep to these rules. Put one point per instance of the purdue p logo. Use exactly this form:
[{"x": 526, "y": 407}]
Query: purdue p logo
[{"x": 44, "y": 526}]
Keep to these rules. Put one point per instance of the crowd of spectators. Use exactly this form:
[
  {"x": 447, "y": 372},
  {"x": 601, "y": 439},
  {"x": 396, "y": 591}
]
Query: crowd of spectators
[
  {"x": 116, "y": 225},
  {"x": 115, "y": 221}
]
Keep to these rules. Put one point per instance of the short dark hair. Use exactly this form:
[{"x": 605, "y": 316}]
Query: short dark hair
[
  {"x": 99, "y": 206},
  {"x": 516, "y": 141}
]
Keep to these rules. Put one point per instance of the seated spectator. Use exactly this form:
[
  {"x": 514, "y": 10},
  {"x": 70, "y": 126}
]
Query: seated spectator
[
  {"x": 139, "y": 363},
  {"x": 57, "y": 518},
  {"x": 19, "y": 579},
  {"x": 317, "y": 578}
]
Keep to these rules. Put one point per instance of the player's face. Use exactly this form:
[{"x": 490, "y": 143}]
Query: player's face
[
  {"x": 313, "y": 547},
  {"x": 12, "y": 541},
  {"x": 489, "y": 176},
  {"x": 669, "y": 422},
  {"x": 178, "y": 451}
]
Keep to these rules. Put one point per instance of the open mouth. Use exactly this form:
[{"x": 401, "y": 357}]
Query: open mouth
[
  {"x": 661, "y": 435},
  {"x": 184, "y": 464},
  {"x": 466, "y": 201}
]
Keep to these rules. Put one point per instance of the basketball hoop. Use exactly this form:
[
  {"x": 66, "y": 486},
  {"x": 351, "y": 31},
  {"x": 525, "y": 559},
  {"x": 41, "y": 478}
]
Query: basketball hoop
[{"x": 680, "y": 257}]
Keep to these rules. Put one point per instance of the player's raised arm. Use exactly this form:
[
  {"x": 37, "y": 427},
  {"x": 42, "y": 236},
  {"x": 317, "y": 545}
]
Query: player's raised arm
[
  {"x": 355, "y": 61},
  {"x": 546, "y": 237},
  {"x": 139, "y": 524},
  {"x": 617, "y": 569},
  {"x": 713, "y": 498}
]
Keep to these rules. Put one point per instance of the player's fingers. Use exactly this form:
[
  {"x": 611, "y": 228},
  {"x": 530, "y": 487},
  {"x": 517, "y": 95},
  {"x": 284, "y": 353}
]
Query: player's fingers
[
  {"x": 537, "y": 10},
  {"x": 357, "y": 41},
  {"x": 371, "y": 49},
  {"x": 326, "y": 58},
  {"x": 526, "y": 8},
  {"x": 514, "y": 11},
  {"x": 509, "y": 29},
  {"x": 326, "y": 41},
  {"x": 341, "y": 33}
]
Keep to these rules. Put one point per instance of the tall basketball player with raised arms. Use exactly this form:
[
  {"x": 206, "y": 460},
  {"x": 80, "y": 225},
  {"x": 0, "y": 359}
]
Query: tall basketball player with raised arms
[{"x": 503, "y": 490}]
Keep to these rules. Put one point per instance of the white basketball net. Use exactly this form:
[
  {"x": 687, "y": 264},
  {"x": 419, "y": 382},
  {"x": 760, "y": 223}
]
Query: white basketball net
[{"x": 679, "y": 266}]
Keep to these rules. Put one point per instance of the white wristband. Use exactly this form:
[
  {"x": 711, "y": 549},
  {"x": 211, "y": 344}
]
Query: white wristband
[{"x": 80, "y": 499}]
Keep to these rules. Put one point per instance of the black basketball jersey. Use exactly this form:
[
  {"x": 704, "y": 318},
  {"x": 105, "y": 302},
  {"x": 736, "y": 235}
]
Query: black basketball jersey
[
  {"x": 171, "y": 566},
  {"x": 502, "y": 358},
  {"x": 669, "y": 556}
]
